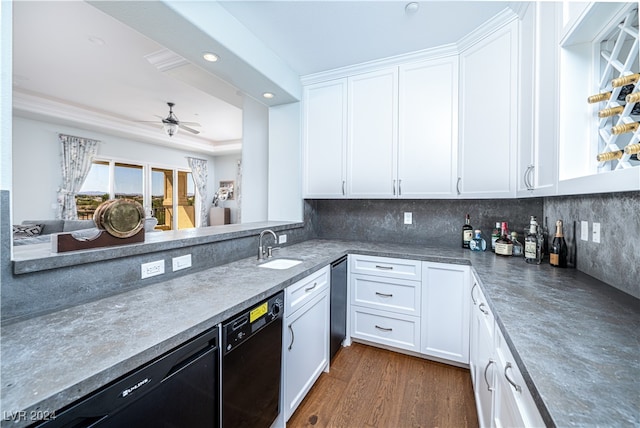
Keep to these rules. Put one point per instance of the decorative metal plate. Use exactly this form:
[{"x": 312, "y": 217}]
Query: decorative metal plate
[{"x": 121, "y": 218}]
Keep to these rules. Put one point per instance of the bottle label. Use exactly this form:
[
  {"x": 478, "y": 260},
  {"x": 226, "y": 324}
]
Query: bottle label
[
  {"x": 554, "y": 259},
  {"x": 467, "y": 235},
  {"x": 494, "y": 238},
  {"x": 504, "y": 249},
  {"x": 530, "y": 250}
]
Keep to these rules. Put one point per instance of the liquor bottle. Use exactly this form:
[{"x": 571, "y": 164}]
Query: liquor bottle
[
  {"x": 467, "y": 232},
  {"x": 494, "y": 236},
  {"x": 532, "y": 247},
  {"x": 478, "y": 243},
  {"x": 605, "y": 96},
  {"x": 517, "y": 246},
  {"x": 624, "y": 128},
  {"x": 504, "y": 246},
  {"x": 543, "y": 238},
  {"x": 625, "y": 80},
  {"x": 609, "y": 156},
  {"x": 558, "y": 250}
]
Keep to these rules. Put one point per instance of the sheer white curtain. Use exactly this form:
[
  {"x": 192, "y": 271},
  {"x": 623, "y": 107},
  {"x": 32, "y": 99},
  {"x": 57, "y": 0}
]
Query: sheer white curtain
[
  {"x": 200, "y": 175},
  {"x": 77, "y": 155}
]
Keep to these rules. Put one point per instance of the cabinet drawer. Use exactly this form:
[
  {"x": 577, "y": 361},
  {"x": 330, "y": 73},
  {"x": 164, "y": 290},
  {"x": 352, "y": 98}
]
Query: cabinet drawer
[
  {"x": 387, "y": 267},
  {"x": 400, "y": 331},
  {"x": 306, "y": 289},
  {"x": 388, "y": 294}
]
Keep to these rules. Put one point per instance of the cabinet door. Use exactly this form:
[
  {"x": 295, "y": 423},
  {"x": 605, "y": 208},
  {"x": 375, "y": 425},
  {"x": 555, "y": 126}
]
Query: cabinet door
[
  {"x": 427, "y": 129},
  {"x": 372, "y": 134},
  {"x": 325, "y": 135},
  {"x": 306, "y": 350},
  {"x": 488, "y": 115},
  {"x": 484, "y": 366},
  {"x": 445, "y": 311}
]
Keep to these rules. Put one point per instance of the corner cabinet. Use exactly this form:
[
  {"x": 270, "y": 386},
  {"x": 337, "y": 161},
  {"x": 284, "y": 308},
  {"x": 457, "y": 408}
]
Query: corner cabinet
[
  {"x": 305, "y": 337},
  {"x": 489, "y": 114}
]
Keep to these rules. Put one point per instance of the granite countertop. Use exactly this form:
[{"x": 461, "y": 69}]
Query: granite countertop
[{"x": 575, "y": 339}]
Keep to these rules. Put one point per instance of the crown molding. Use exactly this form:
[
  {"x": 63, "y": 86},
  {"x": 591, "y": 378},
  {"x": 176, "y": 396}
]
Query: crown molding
[
  {"x": 502, "y": 18},
  {"x": 35, "y": 107}
]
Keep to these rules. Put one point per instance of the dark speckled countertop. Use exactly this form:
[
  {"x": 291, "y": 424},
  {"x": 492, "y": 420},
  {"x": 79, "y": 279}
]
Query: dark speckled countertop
[{"x": 575, "y": 339}]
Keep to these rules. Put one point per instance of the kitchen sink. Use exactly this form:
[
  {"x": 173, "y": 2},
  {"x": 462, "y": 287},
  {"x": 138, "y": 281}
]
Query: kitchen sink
[{"x": 281, "y": 264}]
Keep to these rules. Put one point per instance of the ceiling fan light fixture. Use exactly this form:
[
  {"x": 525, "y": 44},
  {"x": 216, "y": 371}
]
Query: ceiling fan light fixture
[
  {"x": 210, "y": 56},
  {"x": 170, "y": 128}
]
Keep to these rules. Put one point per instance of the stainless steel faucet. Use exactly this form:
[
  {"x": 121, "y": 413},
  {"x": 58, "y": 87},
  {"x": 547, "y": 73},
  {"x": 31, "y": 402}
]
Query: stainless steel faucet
[{"x": 261, "y": 250}]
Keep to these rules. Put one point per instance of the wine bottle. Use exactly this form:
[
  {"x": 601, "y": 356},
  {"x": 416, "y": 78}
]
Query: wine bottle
[
  {"x": 632, "y": 149},
  {"x": 494, "y": 236},
  {"x": 609, "y": 156},
  {"x": 605, "y": 96},
  {"x": 625, "y": 80},
  {"x": 611, "y": 111},
  {"x": 467, "y": 232},
  {"x": 634, "y": 98},
  {"x": 504, "y": 246},
  {"x": 624, "y": 128},
  {"x": 558, "y": 251},
  {"x": 543, "y": 239}
]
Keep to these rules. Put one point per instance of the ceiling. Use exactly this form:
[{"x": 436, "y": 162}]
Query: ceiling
[{"x": 77, "y": 58}]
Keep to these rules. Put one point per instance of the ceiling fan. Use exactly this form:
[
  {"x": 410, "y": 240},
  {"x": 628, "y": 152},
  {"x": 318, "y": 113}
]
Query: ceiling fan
[{"x": 171, "y": 124}]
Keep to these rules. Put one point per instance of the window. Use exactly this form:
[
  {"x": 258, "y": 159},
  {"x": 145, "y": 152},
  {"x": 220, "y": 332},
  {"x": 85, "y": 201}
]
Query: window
[{"x": 173, "y": 206}]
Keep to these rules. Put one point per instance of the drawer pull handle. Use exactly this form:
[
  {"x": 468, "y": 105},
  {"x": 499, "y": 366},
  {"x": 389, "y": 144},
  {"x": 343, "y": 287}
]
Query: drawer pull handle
[
  {"x": 485, "y": 375},
  {"x": 384, "y": 328},
  {"x": 515, "y": 385},
  {"x": 384, "y": 267},
  {"x": 292, "y": 337},
  {"x": 475, "y": 302},
  {"x": 482, "y": 309},
  {"x": 383, "y": 294},
  {"x": 306, "y": 290}
]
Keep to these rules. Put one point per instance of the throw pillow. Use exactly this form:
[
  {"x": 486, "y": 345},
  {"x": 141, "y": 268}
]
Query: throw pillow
[{"x": 26, "y": 230}]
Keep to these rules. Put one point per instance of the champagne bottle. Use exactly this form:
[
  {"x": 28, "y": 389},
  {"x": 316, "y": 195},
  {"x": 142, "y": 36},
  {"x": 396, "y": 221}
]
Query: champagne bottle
[
  {"x": 624, "y": 128},
  {"x": 605, "y": 96},
  {"x": 608, "y": 156},
  {"x": 467, "y": 232},
  {"x": 558, "y": 251},
  {"x": 504, "y": 245},
  {"x": 625, "y": 80}
]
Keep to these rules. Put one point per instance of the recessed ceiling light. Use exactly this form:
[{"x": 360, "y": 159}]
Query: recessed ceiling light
[
  {"x": 268, "y": 95},
  {"x": 209, "y": 56},
  {"x": 96, "y": 40},
  {"x": 411, "y": 8}
]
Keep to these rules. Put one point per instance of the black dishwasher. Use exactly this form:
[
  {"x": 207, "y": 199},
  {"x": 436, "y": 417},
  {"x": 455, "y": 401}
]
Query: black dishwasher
[
  {"x": 338, "y": 316},
  {"x": 251, "y": 365},
  {"x": 179, "y": 389}
]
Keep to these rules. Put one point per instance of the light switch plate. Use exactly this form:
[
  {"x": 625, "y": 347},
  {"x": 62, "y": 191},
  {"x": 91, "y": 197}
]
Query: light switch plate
[
  {"x": 181, "y": 262},
  {"x": 596, "y": 232},
  {"x": 584, "y": 230},
  {"x": 408, "y": 218},
  {"x": 282, "y": 238}
]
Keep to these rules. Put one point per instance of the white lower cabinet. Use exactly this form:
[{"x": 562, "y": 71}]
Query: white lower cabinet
[
  {"x": 305, "y": 337},
  {"x": 445, "y": 311}
]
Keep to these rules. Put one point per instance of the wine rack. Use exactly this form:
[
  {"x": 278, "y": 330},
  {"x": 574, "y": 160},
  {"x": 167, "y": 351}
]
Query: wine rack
[{"x": 619, "y": 52}]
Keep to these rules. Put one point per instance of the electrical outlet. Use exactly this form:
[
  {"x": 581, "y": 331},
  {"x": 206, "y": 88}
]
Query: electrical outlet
[
  {"x": 282, "y": 238},
  {"x": 596, "y": 233},
  {"x": 181, "y": 262},
  {"x": 584, "y": 230},
  {"x": 408, "y": 218},
  {"x": 152, "y": 269}
]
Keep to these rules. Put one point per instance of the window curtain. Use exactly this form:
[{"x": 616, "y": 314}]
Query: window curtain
[
  {"x": 200, "y": 175},
  {"x": 77, "y": 156}
]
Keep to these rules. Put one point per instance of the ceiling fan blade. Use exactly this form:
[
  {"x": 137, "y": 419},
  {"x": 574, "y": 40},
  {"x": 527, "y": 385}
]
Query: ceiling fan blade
[
  {"x": 186, "y": 128},
  {"x": 191, "y": 123}
]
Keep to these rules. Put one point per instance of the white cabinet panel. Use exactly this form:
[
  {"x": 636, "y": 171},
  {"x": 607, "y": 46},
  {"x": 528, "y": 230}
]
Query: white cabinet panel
[
  {"x": 304, "y": 290},
  {"x": 325, "y": 137},
  {"x": 386, "y": 266},
  {"x": 488, "y": 115},
  {"x": 400, "y": 331},
  {"x": 445, "y": 311},
  {"x": 372, "y": 134},
  {"x": 427, "y": 141},
  {"x": 395, "y": 295}
]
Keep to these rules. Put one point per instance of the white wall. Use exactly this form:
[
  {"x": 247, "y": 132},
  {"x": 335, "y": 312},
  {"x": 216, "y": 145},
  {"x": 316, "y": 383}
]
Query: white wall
[
  {"x": 225, "y": 169},
  {"x": 36, "y": 163},
  {"x": 6, "y": 38},
  {"x": 255, "y": 152},
  {"x": 285, "y": 186}
]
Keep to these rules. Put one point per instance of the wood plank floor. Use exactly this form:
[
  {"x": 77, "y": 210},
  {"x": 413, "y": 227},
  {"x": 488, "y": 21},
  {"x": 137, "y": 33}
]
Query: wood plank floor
[{"x": 372, "y": 387}]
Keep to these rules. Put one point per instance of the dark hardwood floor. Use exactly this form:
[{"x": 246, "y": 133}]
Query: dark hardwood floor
[{"x": 372, "y": 387}]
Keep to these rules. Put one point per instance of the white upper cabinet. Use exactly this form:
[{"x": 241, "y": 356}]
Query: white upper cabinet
[
  {"x": 427, "y": 140},
  {"x": 325, "y": 137},
  {"x": 372, "y": 134},
  {"x": 489, "y": 115}
]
